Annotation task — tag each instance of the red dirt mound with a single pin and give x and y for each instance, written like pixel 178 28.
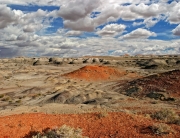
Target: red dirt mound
pixel 96 73
pixel 114 125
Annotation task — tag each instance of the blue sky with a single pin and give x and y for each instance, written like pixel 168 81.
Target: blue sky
pixel 89 27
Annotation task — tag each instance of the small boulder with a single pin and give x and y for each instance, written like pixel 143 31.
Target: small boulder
pixel 41 61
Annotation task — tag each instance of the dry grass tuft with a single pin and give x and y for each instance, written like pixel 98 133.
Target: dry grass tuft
pixel 62 132
pixel 102 114
pixel 161 128
pixel 166 115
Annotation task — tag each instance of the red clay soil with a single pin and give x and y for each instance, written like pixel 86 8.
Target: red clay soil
pixel 114 125
pixel 96 73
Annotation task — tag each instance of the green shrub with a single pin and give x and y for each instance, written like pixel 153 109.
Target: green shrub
pixel 62 132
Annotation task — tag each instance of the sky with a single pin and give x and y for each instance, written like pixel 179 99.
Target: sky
pixel 75 28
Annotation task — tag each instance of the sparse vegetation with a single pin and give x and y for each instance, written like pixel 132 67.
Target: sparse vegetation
pixel 7 77
pixel 6 99
pixel 18 101
pixel 102 114
pixel 2 95
pixel 62 132
pixel 36 95
pixel 167 115
pixel 161 128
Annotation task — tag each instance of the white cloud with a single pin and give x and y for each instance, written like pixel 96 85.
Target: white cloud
pixel 83 24
pixel 32 27
pixel 139 34
pixel 108 13
pixel 78 9
pixel 150 22
pixel 18 29
pixel 137 23
pixel 147 11
pixel 112 30
pixel 35 2
pixel 176 31
pixel 7 16
pixel 57 45
pixel 22 37
pixel 74 33
pixel 28 44
pixel 12 37
pixel 174 12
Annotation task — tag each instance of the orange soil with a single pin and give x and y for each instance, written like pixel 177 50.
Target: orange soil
pixel 93 73
pixel 114 125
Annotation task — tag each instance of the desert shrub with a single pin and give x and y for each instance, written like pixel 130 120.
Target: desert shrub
pixel 166 115
pixel 62 132
pixel 154 102
pixel 36 95
pixel 102 114
pixel 18 101
pixel 161 128
pixel 6 99
pixel 177 121
pixel 2 95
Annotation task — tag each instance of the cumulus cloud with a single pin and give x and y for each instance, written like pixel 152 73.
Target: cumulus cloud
pixel 28 44
pixel 32 27
pixel 111 30
pixel 84 24
pixel 176 31
pixel 147 10
pixel 108 13
pixel 75 10
pixel 76 14
pixel 26 32
pixel 12 37
pixel 7 16
pixel 150 22
pixel 35 2
pixel 139 34
pixel 74 33
pixel 137 23
pixel 22 37
pixel 174 12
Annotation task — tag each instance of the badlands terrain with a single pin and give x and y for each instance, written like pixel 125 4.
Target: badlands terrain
pixel 106 97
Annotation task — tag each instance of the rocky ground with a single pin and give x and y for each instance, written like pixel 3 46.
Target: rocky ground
pixel 126 88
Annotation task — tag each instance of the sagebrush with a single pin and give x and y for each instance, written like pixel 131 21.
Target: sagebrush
pixel 62 132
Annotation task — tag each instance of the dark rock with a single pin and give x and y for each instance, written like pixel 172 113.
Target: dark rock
pixel 151 67
pixel 133 90
pixel 156 95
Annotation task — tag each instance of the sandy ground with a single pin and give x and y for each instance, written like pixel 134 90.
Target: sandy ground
pixel 30 94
